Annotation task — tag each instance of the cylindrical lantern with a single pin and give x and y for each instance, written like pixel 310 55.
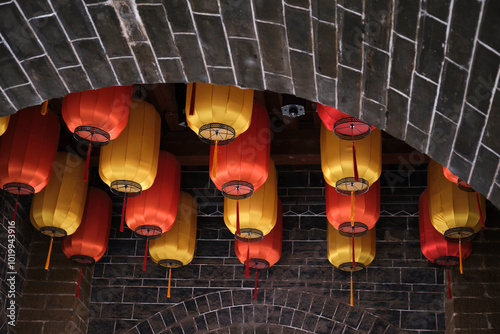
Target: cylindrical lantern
pixel 4 123
pixel 343 124
pixel 365 215
pixel 257 214
pixel 350 254
pixel 337 161
pixel 218 113
pixel 57 210
pixel 97 116
pixel 262 254
pixel 154 211
pixel 88 244
pixel 175 248
pixel 453 212
pixel 242 166
pixel 27 151
pixel 129 163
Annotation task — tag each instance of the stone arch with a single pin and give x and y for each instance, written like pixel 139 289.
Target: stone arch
pixel 415 70
pixel 276 311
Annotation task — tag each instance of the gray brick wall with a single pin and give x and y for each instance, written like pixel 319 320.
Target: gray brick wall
pixel 426 72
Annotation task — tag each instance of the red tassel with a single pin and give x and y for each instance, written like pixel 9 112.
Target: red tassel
pixel 255 288
pixel 193 93
pixel 123 211
pixel 45 105
pixel 15 208
pixel 356 176
pixel 353 256
pixel 79 280
pixel 87 164
pixel 448 280
pixel 169 280
pixel 479 209
pixel 145 255
pixel 247 264
pixel 237 217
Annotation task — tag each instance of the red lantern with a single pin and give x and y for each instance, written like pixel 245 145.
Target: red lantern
pixel 88 244
pixel 264 253
pixel 154 211
pixel 97 116
pixel 27 151
pixel 241 167
pixel 363 218
pixel 434 246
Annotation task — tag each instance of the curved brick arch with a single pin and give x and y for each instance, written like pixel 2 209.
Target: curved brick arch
pixel 425 72
pixel 235 310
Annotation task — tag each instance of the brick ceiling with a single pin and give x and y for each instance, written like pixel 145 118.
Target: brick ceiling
pixel 426 72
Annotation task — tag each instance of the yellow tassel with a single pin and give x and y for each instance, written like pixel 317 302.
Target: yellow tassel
pixel 352 208
pixel 214 162
pixel 45 105
pixel 352 294
pixel 169 278
pixel 460 254
pixel 48 256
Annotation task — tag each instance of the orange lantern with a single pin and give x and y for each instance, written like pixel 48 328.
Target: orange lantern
pixel 262 254
pixel 154 211
pixel 88 244
pixel 436 248
pixel 242 166
pixel 97 116
pixel 364 217
pixel 4 124
pixel 27 151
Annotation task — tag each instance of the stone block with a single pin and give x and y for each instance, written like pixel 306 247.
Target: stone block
pixel 406 18
pixel 147 62
pixel 324 326
pixel 375 75
pixel 278 83
pixel 468 136
pixel 209 6
pixel 95 62
pixel 200 323
pixel 402 66
pixel 246 59
pixel 416 138
pixel 397 111
pixel 351 38
pixel 422 103
pixel 179 16
pixel 34 9
pixel 491 25
pixel 144 328
pixel 378 19
pixel 45 78
pixel 325 48
pixel 212 40
pixel 430 50
pixel 76 79
pixel 418 320
pixel 326 90
pixel 490 139
pixel 191 57
pixel 442 134
pixel 349 91
pixel 439 9
pixel 286 317
pixel 238 18
pixel 452 90
pixel 74 19
pixel 221 76
pixel 107 24
pixel 107 294
pixel 298 319
pixel 484 170
pixel 298 28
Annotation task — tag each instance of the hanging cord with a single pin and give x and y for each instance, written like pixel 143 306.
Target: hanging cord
pixel 460 254
pixel 353 255
pixel 48 255
pixel 356 176
pixel 79 280
pixel 145 255
pixel 352 209
pixel 124 211
pixel 169 279
pixel 237 216
pixel 255 288
pixel 352 293
pixel 15 208
pixel 247 262
pixel 214 160
pixel 479 209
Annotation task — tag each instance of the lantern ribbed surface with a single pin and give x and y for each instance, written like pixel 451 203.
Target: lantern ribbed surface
pixel 210 106
pixel 258 213
pixel 245 161
pixel 27 150
pixel 58 208
pixel 88 244
pixel 176 246
pixel 453 212
pixel 133 156
pixel 4 124
pixel 155 209
pixel 432 243
pixel 340 249
pixel 337 157
pixel 366 209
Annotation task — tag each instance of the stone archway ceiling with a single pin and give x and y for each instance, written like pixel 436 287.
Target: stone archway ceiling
pixel 426 72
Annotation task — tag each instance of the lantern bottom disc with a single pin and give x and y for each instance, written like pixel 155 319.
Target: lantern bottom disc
pixel 358 230
pixel 447 261
pixel 456 233
pixel 217 132
pixel 351 128
pixel 170 263
pixel 258 263
pixel 52 231
pixel 464 186
pixel 349 184
pixel 91 134
pixel 347 266
pixel 82 259
pixel 237 189
pixel 249 235
pixel 18 188
pixel 122 187
pixel 148 231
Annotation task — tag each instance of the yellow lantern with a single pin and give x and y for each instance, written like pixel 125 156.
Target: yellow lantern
pixel 350 254
pixel 257 214
pixel 175 248
pixel 4 123
pixel 128 165
pixel 337 161
pixel 453 212
pixel 57 210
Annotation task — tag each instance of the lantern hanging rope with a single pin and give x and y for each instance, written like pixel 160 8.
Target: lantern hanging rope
pixel 128 165
pixel 175 248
